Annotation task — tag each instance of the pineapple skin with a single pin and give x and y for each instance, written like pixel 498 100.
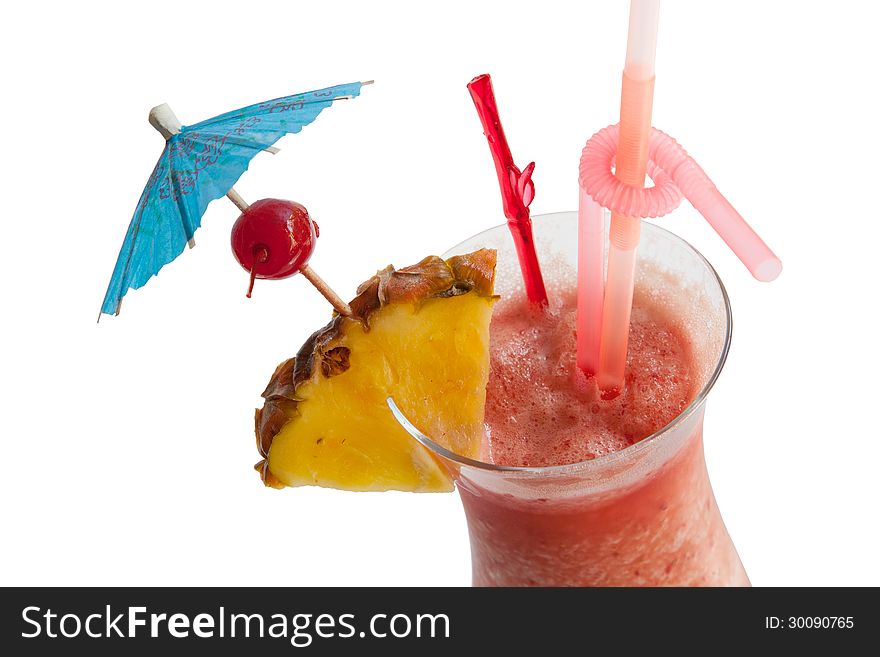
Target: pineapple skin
pixel 419 334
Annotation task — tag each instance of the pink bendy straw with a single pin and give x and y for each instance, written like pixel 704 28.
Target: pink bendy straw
pixel 591 281
pixel 636 100
pixel 636 148
pixel 675 174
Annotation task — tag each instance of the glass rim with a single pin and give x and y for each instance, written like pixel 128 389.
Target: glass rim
pixel 605 459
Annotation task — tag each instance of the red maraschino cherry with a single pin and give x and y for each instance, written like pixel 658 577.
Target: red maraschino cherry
pixel 273 239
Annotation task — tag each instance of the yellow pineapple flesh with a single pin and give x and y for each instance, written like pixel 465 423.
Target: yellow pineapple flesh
pixel 418 334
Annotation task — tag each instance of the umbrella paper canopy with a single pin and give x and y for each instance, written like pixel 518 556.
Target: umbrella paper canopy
pixel 199 164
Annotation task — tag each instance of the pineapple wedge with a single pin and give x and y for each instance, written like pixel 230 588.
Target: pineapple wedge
pixel 419 334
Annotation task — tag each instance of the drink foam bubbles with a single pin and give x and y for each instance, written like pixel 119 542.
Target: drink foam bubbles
pixel 541 410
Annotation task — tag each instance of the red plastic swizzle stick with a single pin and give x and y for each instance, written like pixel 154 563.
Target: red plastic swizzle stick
pixel 517 188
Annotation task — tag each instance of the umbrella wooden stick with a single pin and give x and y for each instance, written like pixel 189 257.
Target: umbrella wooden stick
pixel 233 196
pixel 335 300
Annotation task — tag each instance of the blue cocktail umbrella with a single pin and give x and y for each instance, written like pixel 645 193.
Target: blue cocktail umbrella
pixel 201 163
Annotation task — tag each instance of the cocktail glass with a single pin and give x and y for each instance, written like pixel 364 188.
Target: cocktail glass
pixel 642 516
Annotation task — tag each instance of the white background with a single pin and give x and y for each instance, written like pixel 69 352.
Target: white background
pixel 127 446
